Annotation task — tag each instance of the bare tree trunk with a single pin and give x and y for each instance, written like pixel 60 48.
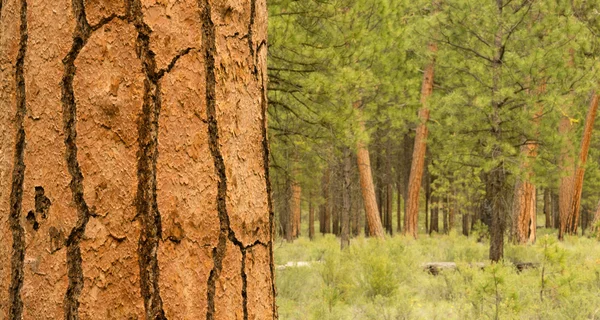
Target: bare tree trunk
pixel 368 192
pixel 346 190
pixel 311 217
pixel 324 208
pixel 555 211
pixel 434 224
pixel 548 208
pixel 573 218
pixel 132 181
pixel 496 177
pixel 295 209
pixel 420 148
pixel 399 207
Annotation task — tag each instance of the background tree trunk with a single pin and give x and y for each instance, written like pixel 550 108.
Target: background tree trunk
pixel 132 177
pixel 573 218
pixel 311 218
pixel 368 192
pixel 296 208
pixel 346 190
pixel 420 149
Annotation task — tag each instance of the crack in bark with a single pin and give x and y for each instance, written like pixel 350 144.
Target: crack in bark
pixel 81 35
pixel 18 177
pixel 209 45
pixel 146 203
pixel 226 233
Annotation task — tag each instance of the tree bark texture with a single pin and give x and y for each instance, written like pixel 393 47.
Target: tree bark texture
pixel 420 149
pixel 134 161
pixel 367 188
pixel 573 217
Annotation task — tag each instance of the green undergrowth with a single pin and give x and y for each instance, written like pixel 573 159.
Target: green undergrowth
pixel 375 279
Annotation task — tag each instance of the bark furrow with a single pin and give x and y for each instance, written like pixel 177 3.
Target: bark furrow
pixel 146 203
pixel 18 177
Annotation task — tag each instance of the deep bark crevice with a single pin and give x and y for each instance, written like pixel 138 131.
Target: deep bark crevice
pixel 18 177
pixel 225 231
pixel 81 35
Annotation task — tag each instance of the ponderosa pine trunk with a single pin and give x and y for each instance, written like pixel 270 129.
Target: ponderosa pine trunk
pixel 524 199
pixel 496 178
pixel 573 218
pixel 133 165
pixel 567 166
pixel 420 149
pixel 295 208
pixel 346 189
pixel 373 221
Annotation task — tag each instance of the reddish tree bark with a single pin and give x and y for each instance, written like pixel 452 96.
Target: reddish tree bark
pixel 366 184
pixel 573 218
pixel 420 148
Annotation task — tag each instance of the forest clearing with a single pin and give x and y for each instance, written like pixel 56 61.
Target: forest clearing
pixel 386 279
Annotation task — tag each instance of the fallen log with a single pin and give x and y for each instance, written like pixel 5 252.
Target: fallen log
pixel 434 268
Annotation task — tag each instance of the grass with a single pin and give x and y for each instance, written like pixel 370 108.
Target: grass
pixel 376 279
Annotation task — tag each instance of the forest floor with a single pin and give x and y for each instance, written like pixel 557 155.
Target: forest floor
pixel 376 279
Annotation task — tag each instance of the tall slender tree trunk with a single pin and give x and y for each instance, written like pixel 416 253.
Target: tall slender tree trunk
pixel 420 149
pixel 324 208
pixel 406 161
pixel 311 217
pixel 346 190
pixel 366 183
pixel 132 181
pixel 524 209
pixel 496 177
pixel 295 206
pixel 573 218
pixel 567 166
pixel 434 224
pixel 399 207
pixel 548 208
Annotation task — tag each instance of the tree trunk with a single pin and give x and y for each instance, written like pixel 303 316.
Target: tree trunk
pixel 399 207
pixel 325 207
pixel 555 211
pixel 366 183
pixel 311 217
pixel 524 212
pixel 295 209
pixel 286 218
pixel 434 224
pixel 419 150
pixel 548 208
pixel 404 172
pixel 573 217
pixel 345 214
pixel 131 180
pixel 496 177
pixel 465 224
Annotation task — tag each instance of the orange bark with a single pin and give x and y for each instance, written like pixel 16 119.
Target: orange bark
pixel 573 218
pixel 366 186
pixel 418 160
